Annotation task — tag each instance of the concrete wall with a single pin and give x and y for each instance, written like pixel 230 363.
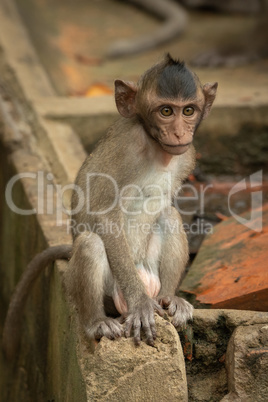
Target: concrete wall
pixel 46 366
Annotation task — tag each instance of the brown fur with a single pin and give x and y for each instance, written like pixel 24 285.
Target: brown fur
pixel 125 268
pixel 129 259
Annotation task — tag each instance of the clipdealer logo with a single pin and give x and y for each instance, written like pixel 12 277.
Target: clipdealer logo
pixel 254 184
pixel 51 198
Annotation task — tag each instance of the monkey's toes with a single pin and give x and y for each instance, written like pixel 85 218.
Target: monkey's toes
pixel 108 327
pixel 164 302
pixel 181 310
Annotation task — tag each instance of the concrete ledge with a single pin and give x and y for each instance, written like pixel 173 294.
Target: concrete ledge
pixel 28 378
pixel 89 117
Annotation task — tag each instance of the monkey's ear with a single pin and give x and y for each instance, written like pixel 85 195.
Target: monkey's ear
pixel 125 93
pixel 210 91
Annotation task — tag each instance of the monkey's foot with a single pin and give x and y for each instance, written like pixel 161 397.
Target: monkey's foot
pixel 178 308
pixel 107 326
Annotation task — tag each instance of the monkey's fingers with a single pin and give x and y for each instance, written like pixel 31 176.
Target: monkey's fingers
pixel 115 328
pixel 135 325
pixel 158 308
pixel 137 331
pixel 103 330
pixel 148 327
pixel 128 326
pixel 173 307
pixel 164 302
pixel 160 311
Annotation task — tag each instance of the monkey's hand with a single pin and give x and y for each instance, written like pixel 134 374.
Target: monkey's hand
pixel 106 326
pixel 178 308
pixel 141 316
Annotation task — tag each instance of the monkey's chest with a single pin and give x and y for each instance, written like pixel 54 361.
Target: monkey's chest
pixel 142 218
pixel 148 197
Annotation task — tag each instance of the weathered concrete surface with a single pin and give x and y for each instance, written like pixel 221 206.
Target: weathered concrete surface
pixel 205 344
pixel 119 371
pixel 230 270
pixel 28 377
pixel 22 57
pixel 62 149
pixel 247 364
pixel 47 354
pixel 89 117
pixel 24 79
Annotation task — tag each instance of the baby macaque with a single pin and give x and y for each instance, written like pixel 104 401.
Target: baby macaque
pixel 137 169
pixel 130 248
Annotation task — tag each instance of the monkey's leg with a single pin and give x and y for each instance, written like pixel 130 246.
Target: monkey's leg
pixel 174 256
pixel 87 282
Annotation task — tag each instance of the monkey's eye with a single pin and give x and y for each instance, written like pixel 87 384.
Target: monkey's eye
pixel 188 111
pixel 166 111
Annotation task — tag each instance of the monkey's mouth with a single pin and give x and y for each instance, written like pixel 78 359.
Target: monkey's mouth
pixel 175 146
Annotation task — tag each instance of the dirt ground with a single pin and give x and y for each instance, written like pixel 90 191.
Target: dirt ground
pixel 71 38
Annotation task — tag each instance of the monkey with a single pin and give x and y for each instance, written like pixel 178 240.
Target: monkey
pixel 127 259
pixel 252 47
pixel 137 271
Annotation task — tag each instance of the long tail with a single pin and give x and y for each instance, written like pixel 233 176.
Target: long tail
pixel 12 326
pixel 175 22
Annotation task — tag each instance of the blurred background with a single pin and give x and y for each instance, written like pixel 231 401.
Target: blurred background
pixel 73 39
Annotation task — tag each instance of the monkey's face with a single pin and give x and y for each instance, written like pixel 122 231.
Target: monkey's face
pixel 172 123
pixel 170 105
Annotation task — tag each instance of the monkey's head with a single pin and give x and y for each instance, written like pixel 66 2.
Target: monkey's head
pixel 170 102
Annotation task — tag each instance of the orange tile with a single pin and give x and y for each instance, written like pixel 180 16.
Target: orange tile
pixel 231 268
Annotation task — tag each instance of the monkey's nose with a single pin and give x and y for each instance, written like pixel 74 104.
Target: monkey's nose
pixel 179 135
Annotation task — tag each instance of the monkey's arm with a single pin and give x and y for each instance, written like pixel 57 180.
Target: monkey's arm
pixel 175 21
pixel 12 325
